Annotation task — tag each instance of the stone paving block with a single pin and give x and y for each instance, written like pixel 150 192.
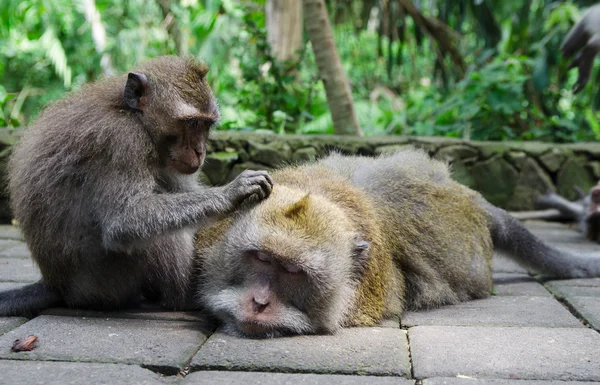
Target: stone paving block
pixel 497 311
pixel 257 378
pixel 588 308
pixel 518 284
pixel 8 243
pixel 390 323
pixel 73 373
pixel 18 250
pixel 478 381
pixel 503 264
pixel 164 345
pixel 9 323
pixel 146 312
pixel 366 351
pixel 568 354
pixel 4 286
pixel 18 270
pixel 10 232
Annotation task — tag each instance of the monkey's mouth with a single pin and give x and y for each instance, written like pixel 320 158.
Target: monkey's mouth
pixel 183 167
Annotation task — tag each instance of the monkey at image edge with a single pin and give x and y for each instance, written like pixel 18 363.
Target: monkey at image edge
pixel 104 188
pixel 351 240
pixel 347 241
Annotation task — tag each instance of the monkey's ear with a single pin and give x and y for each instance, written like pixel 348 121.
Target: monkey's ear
pixel 136 90
pixel 297 208
pixel 360 256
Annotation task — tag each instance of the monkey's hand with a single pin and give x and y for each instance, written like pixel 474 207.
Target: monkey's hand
pixel 584 61
pixel 249 186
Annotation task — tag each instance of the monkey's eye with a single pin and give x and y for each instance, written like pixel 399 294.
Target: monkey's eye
pixel 263 257
pixel 291 268
pixel 192 123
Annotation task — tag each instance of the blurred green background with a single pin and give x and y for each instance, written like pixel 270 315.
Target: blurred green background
pixel 514 85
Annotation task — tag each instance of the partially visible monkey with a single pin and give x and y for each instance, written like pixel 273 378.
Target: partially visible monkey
pixel 586 211
pixel 349 240
pixel 105 190
pixel 584 38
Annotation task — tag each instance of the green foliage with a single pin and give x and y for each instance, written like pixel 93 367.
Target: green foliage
pixel 516 86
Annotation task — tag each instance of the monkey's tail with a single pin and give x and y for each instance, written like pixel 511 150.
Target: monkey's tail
pixel 511 236
pixel 28 301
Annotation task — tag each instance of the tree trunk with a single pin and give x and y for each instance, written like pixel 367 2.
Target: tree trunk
pixel 172 27
pixel 284 29
pixel 337 86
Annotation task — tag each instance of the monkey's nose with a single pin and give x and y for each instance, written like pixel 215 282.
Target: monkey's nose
pixel 259 305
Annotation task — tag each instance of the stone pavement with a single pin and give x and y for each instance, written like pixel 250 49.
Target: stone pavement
pixel 529 332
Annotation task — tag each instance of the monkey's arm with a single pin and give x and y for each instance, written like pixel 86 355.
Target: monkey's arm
pixel 148 214
pixel 584 36
pixel 552 200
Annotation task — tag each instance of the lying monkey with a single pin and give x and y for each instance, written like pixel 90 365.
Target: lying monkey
pixel 349 240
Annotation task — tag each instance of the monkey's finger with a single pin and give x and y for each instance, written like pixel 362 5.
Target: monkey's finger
pixel 262 184
pixel 264 174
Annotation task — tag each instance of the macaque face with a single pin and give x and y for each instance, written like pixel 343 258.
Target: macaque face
pixel 274 282
pixel 186 149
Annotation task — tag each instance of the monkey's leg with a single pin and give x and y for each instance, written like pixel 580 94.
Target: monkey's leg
pixel 27 301
pixel 551 200
pixel 171 259
pixel 511 236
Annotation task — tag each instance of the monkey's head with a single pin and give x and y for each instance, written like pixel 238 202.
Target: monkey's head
pixel 289 265
pixel 173 101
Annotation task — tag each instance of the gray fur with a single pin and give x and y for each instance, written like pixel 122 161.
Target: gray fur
pixel 584 38
pixel 105 193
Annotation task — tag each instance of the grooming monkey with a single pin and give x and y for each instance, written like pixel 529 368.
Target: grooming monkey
pixel 349 240
pixel 584 38
pixel 105 190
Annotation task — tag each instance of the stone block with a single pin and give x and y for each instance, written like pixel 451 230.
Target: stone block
pixel 75 373
pixel 218 166
pixel 465 380
pixel 17 250
pixel 533 181
pixel 10 232
pixel 250 378
pixel 496 179
pixel 18 270
pixel 553 159
pixel 302 155
pixel 164 345
pixel 497 311
pixel 567 354
pixel 9 323
pixel 455 153
pixel 518 284
pixel 588 308
pixel 503 264
pixel 148 312
pixel 574 173
pixel 365 351
pixel 273 154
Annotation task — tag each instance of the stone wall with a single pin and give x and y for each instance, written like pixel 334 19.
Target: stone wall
pixel 508 174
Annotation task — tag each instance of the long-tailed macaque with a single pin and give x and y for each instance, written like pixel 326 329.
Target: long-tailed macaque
pixel 586 211
pixel 349 240
pixel 103 186
pixel 584 38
